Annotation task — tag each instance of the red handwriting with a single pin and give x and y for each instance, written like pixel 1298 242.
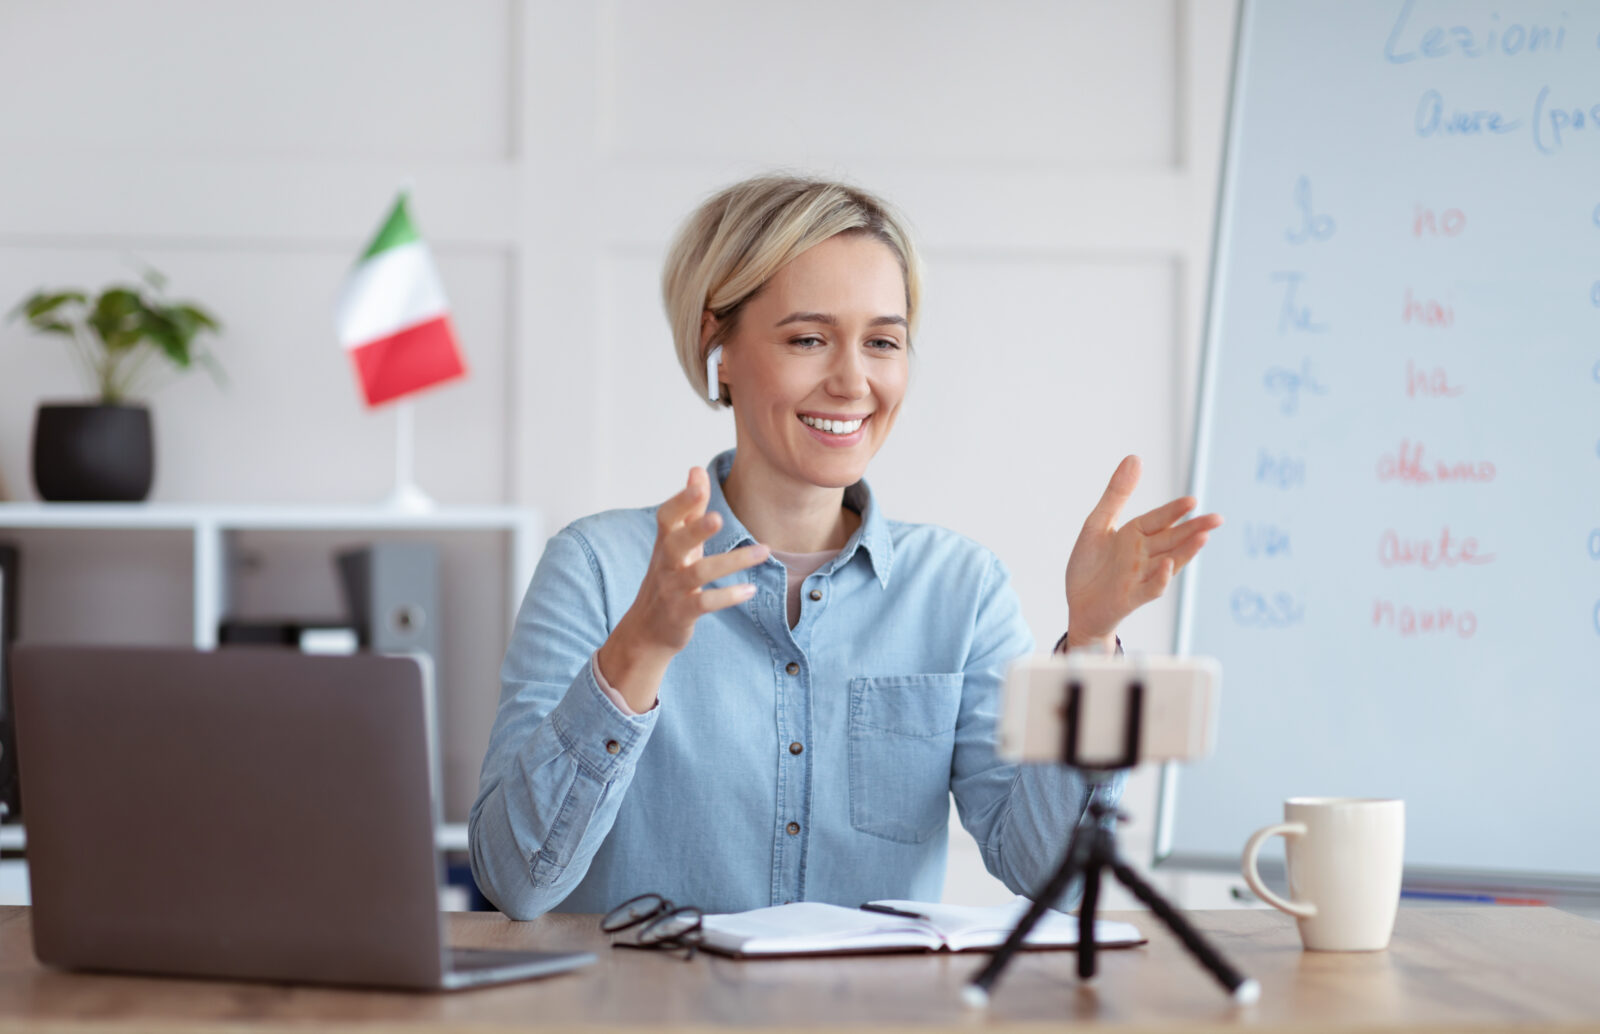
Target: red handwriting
pixel 1408 465
pixel 1409 621
pixel 1429 554
pixel 1427 312
pixel 1448 223
pixel 1433 384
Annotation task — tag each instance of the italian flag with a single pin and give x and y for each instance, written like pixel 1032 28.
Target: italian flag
pixel 393 317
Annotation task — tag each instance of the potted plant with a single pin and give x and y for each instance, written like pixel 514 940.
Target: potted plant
pixel 102 451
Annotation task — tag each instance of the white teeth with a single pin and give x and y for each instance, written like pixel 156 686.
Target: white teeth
pixel 840 427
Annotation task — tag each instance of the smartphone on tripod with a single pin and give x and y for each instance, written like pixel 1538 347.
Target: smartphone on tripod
pixel 1102 716
pixel 1096 711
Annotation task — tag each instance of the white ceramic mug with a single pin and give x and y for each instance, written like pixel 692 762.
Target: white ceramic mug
pixel 1345 856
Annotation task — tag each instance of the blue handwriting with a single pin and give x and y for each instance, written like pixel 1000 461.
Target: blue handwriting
pixel 1280 380
pixel 1313 227
pixel 1257 610
pixel 1561 120
pixel 1282 471
pixel 1265 540
pixel 1431 119
pixel 1294 316
pixel 1438 41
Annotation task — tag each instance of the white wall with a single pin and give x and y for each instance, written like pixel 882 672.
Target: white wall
pixel 1057 159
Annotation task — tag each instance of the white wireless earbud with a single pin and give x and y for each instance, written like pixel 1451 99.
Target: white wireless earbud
pixel 713 360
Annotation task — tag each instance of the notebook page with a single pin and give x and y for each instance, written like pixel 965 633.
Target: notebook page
pixel 972 926
pixel 809 926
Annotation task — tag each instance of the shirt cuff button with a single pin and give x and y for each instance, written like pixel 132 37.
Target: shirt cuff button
pixel 612 746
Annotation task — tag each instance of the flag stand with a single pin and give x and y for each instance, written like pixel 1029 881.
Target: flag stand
pixel 406 496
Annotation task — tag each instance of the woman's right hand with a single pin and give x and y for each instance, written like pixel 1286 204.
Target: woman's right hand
pixel 671 598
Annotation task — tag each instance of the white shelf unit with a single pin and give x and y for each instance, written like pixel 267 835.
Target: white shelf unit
pixel 211 525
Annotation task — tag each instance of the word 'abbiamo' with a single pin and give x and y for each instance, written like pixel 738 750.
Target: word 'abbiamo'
pixel 1409 466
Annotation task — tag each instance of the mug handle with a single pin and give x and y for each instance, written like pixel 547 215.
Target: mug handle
pixel 1252 848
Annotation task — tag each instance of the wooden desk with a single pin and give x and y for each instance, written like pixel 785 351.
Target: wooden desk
pixel 1448 968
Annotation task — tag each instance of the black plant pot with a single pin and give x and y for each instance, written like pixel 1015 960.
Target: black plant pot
pixel 93 453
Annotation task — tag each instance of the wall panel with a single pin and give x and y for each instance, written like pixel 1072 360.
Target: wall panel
pixel 357 79
pixel 1013 82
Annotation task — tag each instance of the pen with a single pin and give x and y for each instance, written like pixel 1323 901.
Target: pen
pixel 889 911
pixel 1487 899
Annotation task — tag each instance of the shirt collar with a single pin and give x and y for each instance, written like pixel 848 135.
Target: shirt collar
pixel 873 534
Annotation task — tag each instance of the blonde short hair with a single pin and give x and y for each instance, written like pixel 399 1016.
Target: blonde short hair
pixel 742 235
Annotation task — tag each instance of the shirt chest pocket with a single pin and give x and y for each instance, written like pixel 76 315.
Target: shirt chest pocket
pixel 902 734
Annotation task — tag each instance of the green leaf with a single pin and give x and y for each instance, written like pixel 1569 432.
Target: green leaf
pixel 117 317
pixel 185 319
pixel 168 336
pixel 195 316
pixel 40 305
pixel 153 276
pixel 181 321
pixel 214 368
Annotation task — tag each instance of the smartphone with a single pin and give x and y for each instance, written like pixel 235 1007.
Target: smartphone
pixel 1096 711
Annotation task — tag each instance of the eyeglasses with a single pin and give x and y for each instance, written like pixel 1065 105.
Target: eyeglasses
pixel 661 924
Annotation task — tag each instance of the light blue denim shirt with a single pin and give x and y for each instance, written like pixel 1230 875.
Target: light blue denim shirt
pixel 813 763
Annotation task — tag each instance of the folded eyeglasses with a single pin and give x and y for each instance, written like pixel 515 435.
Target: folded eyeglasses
pixel 658 924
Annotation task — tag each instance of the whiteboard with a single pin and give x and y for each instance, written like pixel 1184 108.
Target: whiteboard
pixel 1400 423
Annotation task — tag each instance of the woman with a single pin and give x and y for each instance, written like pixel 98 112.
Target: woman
pixel 765 689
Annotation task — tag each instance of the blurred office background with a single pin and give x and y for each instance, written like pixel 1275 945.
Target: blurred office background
pixel 1058 160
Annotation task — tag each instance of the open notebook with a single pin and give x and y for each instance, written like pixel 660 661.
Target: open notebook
pixel 813 928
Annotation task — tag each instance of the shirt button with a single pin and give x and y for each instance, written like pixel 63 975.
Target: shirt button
pixel 612 746
pixel 816 594
pixel 795 748
pixel 792 668
pixel 793 828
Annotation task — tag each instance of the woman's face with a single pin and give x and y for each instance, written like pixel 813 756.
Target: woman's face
pixel 821 347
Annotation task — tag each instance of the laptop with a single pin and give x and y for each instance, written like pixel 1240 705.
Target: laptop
pixel 251 813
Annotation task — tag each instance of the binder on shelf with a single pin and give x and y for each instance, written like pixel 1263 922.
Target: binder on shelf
pixel 392 592
pixel 10 793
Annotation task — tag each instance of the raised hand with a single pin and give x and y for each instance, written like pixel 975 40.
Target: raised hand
pixel 672 597
pixel 1114 571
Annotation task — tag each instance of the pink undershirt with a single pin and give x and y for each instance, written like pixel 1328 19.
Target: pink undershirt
pixel 800 567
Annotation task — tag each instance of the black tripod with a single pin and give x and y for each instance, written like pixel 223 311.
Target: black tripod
pixel 1093 849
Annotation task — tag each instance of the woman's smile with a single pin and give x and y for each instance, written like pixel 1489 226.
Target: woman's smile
pixel 836 431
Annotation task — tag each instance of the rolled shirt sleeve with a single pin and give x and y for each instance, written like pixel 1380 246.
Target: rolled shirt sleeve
pixel 562 754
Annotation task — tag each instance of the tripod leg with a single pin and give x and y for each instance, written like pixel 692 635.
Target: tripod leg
pixel 1243 989
pixel 1086 913
pixel 977 991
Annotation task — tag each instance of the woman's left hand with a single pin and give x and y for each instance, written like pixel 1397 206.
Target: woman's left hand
pixel 1114 571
